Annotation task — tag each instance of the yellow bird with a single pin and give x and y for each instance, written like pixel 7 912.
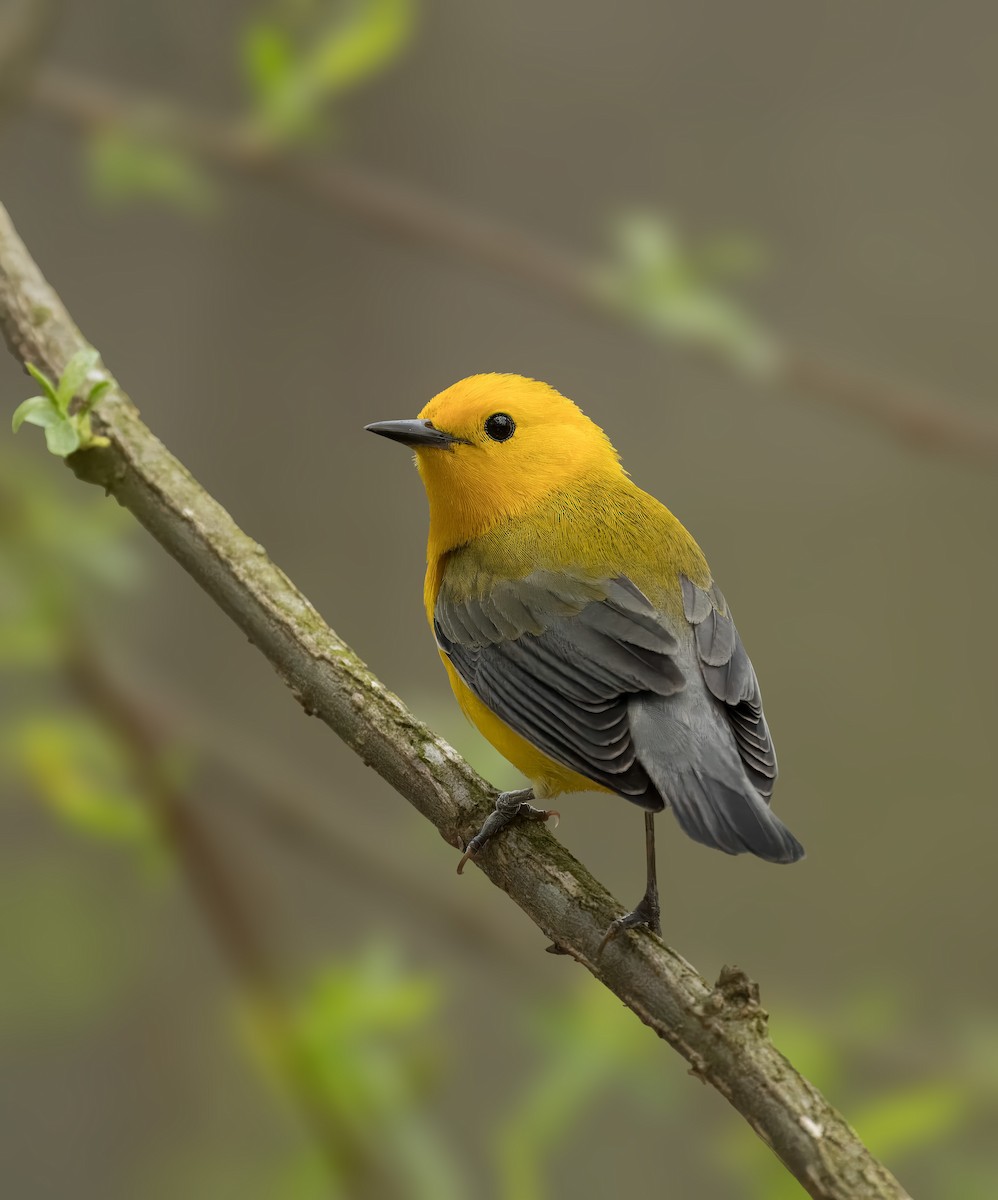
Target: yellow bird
pixel 580 626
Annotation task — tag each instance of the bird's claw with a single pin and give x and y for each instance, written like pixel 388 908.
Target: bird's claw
pixel 510 807
pixel 645 916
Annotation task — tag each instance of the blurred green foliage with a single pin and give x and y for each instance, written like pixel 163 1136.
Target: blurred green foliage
pixel 586 1043
pixel 78 768
pixel 126 164
pixel 681 289
pixel 57 560
pixel 300 56
pixel 364 1043
pixel 923 1109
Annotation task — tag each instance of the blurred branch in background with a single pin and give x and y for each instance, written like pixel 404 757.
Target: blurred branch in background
pixel 650 281
pixel 219 902
pixel 25 29
pixel 721 1031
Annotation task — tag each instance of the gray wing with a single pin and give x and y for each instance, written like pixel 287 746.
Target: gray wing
pixel 730 677
pixel 557 657
pixel 708 750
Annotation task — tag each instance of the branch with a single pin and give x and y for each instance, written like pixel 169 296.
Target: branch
pixel 720 1031
pixel 397 210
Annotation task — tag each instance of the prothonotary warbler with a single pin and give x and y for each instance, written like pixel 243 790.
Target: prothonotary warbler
pixel 581 628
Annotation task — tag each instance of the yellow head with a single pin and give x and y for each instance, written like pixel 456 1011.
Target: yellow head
pixel 495 446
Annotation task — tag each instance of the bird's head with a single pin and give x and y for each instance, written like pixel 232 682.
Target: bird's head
pixel 495 446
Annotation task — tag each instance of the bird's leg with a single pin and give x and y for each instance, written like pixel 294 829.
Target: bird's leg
pixel 510 807
pixel 647 912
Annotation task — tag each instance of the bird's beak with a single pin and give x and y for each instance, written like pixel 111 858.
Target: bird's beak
pixel 415 433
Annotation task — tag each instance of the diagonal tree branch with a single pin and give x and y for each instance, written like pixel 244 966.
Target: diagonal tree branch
pixel 720 1031
pixel 397 210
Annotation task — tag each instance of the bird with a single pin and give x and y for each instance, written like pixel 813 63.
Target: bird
pixel 581 628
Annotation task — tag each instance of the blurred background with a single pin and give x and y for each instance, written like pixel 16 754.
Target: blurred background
pixel 756 243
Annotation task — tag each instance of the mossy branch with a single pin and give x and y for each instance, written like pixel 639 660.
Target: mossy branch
pixel 720 1030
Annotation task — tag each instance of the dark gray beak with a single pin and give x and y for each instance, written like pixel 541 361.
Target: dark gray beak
pixel 415 433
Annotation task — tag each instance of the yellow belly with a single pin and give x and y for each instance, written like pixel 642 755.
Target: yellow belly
pixel 547 777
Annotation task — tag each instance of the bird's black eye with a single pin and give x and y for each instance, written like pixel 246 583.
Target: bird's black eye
pixel 500 427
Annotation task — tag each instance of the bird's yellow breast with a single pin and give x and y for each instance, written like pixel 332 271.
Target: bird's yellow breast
pixel 547 777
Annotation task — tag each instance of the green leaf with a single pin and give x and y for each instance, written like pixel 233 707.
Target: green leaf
pixel 46 383
pixel 80 772
pixel 64 433
pixel 74 376
pixel 39 410
pixel 268 57
pixel 63 438
pixel 678 289
pixel 359 1045
pixel 371 37
pixel 94 395
pixel 122 166
pixel 305 55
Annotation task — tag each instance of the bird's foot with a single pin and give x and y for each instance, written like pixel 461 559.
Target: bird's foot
pixel 647 915
pixel 510 807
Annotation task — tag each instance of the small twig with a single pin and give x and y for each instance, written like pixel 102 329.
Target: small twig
pixel 720 1031
pixel 400 211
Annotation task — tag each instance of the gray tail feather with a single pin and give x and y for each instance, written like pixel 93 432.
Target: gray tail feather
pixel 729 817
pixel 735 820
pixel 705 783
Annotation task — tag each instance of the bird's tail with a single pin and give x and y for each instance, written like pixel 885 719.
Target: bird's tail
pixel 695 767
pixel 733 819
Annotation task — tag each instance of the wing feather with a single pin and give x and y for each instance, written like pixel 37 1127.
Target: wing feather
pixel 730 677
pixel 557 656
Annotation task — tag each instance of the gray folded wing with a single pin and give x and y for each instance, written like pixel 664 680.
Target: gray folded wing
pixel 731 678
pixel 595 677
pixel 708 751
pixel 557 657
